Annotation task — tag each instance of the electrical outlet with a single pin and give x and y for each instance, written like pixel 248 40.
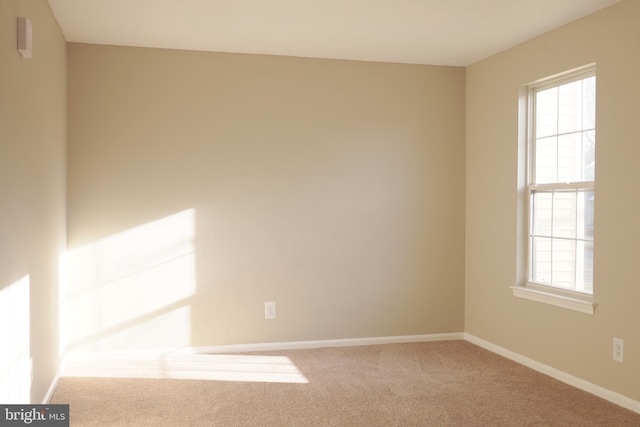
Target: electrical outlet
pixel 270 310
pixel 618 349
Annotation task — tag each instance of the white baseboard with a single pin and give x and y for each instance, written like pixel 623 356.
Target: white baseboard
pixel 52 388
pixel 348 342
pixel 73 357
pixel 566 378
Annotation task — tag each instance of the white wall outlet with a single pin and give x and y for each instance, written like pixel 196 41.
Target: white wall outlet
pixel 618 349
pixel 270 310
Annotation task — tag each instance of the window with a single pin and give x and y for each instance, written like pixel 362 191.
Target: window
pixel 560 188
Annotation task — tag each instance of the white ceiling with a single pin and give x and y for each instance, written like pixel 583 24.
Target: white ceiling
pixel 438 32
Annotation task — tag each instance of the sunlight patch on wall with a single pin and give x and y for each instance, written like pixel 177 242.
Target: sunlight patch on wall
pixel 213 367
pixel 131 290
pixel 15 352
pixel 161 330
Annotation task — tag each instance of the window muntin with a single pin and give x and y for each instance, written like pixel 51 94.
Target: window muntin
pixel 561 182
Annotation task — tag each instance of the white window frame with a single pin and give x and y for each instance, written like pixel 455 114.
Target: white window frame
pixel 548 294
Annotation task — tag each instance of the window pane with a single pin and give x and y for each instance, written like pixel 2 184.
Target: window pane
pixel 588 155
pixel 541 260
pixel 584 267
pixel 564 214
pixel 585 204
pixel 542 213
pixel 564 263
pixel 570 158
pixel 546 156
pixel 570 107
pixel 589 103
pixel 547 112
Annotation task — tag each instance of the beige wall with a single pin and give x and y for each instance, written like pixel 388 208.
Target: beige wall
pixel 572 342
pixel 33 136
pixel 334 188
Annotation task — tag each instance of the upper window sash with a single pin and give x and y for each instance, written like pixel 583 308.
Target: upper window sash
pixel 539 86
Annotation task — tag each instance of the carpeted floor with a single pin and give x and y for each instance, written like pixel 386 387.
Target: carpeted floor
pixel 447 383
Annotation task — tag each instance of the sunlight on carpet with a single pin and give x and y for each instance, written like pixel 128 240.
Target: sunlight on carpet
pixel 217 367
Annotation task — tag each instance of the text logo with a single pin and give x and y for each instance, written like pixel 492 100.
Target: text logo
pixel 34 415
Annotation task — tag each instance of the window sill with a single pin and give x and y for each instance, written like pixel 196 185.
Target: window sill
pixel 582 305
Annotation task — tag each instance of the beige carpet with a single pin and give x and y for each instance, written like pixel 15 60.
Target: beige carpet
pixel 451 383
